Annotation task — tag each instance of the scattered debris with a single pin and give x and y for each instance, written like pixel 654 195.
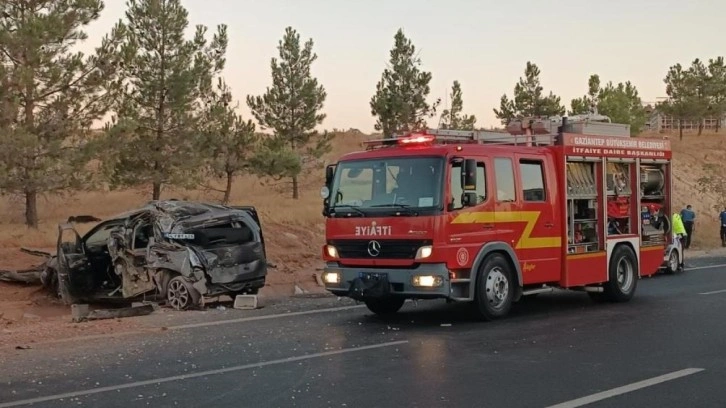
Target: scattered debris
pixel 29 276
pixel 100 314
pixel 245 302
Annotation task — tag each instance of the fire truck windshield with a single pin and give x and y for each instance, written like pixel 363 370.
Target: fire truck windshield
pixel 388 184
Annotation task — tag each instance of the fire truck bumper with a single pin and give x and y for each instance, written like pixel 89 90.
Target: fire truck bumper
pixel 425 281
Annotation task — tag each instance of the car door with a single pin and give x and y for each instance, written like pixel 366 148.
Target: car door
pixel 75 275
pixel 469 228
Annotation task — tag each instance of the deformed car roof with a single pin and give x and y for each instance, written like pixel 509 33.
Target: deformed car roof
pixel 179 209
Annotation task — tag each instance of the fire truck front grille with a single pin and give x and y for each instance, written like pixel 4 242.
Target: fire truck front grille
pixel 386 248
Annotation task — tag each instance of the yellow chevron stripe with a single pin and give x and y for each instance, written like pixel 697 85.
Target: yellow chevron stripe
pixel 526 241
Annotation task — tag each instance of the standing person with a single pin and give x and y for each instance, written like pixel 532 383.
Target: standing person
pixel 688 216
pixel 722 218
pixel 679 235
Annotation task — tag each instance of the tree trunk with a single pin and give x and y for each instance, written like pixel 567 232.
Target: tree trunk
pixel 680 129
pixel 31 209
pixel 700 127
pixel 156 193
pixel 718 125
pixel 228 189
pixel 295 188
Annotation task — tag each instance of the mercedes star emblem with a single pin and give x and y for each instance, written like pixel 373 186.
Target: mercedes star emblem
pixel 374 248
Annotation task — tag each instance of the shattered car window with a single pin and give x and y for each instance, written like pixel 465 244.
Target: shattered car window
pixel 100 237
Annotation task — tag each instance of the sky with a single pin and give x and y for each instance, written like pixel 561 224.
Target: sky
pixel 484 44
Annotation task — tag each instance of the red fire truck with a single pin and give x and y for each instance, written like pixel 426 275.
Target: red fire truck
pixel 487 217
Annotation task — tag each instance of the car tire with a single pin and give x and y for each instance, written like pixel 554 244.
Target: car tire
pixel 623 275
pixel 181 295
pixel 672 264
pixel 495 288
pixel 385 306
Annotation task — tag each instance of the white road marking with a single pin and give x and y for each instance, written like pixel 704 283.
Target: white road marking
pixel 626 388
pixel 195 375
pixel 714 292
pixel 262 317
pixel 706 267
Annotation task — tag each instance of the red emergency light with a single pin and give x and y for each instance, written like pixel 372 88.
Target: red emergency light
pixel 416 139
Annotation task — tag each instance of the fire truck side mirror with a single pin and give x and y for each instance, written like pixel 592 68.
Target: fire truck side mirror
pixel 468 175
pixel 469 199
pixel 329 173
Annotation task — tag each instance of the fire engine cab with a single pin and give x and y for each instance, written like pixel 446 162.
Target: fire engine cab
pixel 488 217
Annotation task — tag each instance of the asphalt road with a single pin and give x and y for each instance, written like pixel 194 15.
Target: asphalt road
pixel 666 348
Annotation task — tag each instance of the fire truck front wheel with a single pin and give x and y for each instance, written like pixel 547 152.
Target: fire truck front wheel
pixel 623 275
pixel 385 306
pixel 494 288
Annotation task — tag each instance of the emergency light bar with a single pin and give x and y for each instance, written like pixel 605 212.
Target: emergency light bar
pixel 415 139
pixel 412 139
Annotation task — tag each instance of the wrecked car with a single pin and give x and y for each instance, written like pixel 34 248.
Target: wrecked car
pixel 172 250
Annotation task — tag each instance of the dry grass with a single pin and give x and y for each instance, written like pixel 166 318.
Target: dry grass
pixel 690 154
pixel 295 227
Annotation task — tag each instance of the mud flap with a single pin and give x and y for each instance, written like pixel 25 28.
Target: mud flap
pixel 377 287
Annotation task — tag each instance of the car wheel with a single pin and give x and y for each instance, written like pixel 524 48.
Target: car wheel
pixel 494 288
pixel 181 295
pixel 385 306
pixel 623 275
pixel 672 266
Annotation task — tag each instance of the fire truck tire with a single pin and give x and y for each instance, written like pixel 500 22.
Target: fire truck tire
pixel 385 306
pixel 495 288
pixel 623 274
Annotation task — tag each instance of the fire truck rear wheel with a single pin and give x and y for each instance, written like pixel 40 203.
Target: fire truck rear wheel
pixel 385 306
pixel 623 274
pixel 494 288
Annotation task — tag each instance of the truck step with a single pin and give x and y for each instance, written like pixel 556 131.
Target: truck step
pixel 544 289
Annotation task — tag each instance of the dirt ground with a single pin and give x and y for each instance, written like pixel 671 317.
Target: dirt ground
pixel 294 234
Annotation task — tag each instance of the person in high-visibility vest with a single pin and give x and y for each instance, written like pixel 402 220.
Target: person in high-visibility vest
pixel 679 231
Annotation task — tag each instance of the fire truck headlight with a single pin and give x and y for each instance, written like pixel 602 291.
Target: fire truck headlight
pixel 424 252
pixel 427 281
pixel 331 277
pixel 331 251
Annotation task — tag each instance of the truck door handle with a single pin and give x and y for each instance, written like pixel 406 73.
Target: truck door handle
pixel 549 225
pixel 488 226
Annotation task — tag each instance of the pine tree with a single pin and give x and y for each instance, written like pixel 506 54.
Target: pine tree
pixel 228 139
pixel 621 103
pixel 400 100
pixel 717 89
pixel 50 97
pixel 529 99
pixel 701 99
pixel 154 138
pixel 451 118
pixel 588 102
pixel 681 91
pixel 292 109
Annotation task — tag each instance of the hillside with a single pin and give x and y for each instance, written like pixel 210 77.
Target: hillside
pixel 294 228
pixel 689 157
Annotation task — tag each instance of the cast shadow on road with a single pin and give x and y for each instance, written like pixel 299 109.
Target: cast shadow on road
pixel 428 314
